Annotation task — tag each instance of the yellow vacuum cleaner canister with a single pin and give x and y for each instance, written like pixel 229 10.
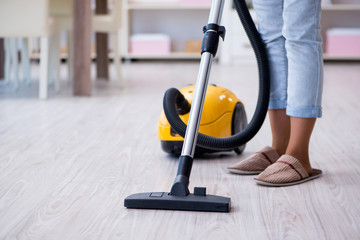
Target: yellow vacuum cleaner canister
pixel 223 115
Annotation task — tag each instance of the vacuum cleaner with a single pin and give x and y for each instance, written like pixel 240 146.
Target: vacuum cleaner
pixel 179 197
pixel 223 115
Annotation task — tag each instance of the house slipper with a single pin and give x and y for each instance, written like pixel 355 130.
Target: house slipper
pixel 286 171
pixel 256 163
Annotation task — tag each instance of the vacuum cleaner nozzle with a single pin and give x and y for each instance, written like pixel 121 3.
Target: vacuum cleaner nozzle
pixel 198 201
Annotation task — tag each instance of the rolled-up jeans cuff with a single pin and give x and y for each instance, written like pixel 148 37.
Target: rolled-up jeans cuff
pixel 277 104
pixel 304 112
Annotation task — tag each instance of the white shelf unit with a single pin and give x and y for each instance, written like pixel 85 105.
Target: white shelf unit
pixel 186 21
pixel 165 6
pixel 343 7
pixel 237 47
pixel 340 14
pixel 180 22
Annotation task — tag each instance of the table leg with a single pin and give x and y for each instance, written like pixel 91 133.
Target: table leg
pixel 102 58
pixel 81 47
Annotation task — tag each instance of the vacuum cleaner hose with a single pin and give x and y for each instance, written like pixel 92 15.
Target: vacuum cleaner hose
pixel 172 96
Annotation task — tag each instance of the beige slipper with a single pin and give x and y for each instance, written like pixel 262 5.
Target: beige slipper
pixel 256 163
pixel 286 171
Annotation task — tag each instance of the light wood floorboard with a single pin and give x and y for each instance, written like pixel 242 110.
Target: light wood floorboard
pixel 66 164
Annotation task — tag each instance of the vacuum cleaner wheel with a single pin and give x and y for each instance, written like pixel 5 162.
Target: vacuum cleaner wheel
pixel 239 122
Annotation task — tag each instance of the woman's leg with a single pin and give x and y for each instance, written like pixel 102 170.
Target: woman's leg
pixel 304 53
pixel 301 129
pixel 280 128
pixel 269 15
pixel 270 24
pixel 305 73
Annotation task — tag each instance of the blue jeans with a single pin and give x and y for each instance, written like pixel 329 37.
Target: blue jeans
pixel 291 32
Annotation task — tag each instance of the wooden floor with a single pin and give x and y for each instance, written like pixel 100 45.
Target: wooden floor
pixel 66 164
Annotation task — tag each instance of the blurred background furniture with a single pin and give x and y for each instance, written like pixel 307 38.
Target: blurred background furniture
pixel 102 46
pixel 335 14
pixel 110 24
pixel 35 13
pixel 2 58
pixel 180 20
pixel 11 59
pixel 47 20
pixel 339 14
pixel 62 13
pixel 81 45
pixel 71 16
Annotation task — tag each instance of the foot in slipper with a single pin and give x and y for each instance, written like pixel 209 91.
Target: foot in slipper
pixel 256 163
pixel 286 171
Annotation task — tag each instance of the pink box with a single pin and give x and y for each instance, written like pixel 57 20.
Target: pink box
pixel 196 2
pixel 150 44
pixel 343 41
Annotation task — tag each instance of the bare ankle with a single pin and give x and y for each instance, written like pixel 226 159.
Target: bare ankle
pixel 279 150
pixel 303 158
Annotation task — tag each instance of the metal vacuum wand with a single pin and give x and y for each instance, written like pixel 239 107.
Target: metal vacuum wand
pixel 208 51
pixel 180 197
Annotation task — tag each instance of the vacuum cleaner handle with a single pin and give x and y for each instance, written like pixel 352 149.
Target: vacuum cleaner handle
pixel 209 48
pixel 179 198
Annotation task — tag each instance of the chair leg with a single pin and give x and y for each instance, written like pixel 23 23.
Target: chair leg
pixel 25 60
pixel 14 60
pixel 56 60
pixel 44 64
pixel 51 59
pixel 7 60
pixel 70 56
pixel 114 41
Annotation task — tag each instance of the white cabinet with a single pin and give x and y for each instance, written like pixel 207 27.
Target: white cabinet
pixel 335 14
pixel 237 47
pixel 340 14
pixel 181 22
